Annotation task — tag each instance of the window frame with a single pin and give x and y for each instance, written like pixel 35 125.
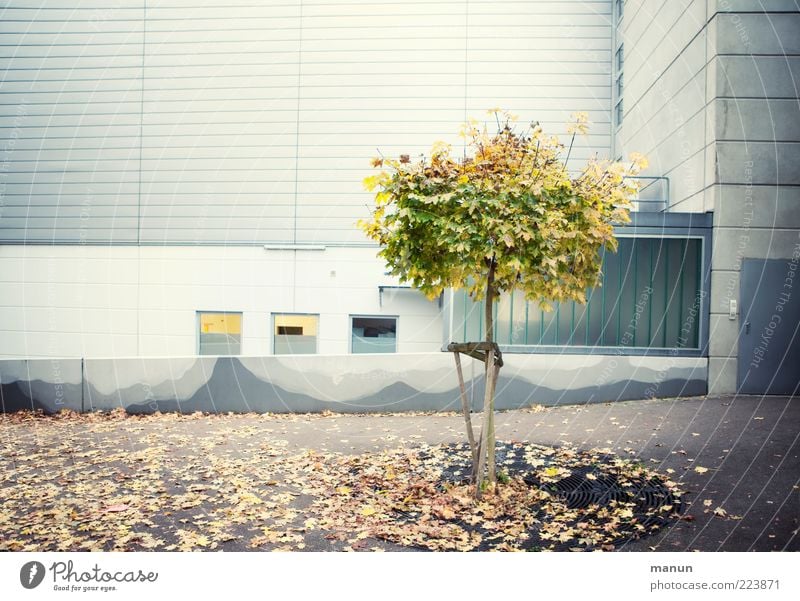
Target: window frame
pixel 644 225
pixel 619 85
pixel 273 334
pixel 353 316
pixel 198 323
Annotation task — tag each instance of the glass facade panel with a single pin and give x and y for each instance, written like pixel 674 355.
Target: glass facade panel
pixel 295 334
pixel 649 297
pixel 220 333
pixel 374 335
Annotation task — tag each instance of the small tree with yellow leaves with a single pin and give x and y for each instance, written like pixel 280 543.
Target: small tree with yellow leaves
pixel 507 215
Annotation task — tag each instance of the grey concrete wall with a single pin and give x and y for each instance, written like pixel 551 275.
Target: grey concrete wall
pixel 341 383
pixel 753 155
pixel 711 97
pixel 46 384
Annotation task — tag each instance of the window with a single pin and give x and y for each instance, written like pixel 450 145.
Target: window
pixel 650 297
pixel 374 334
pixel 294 334
pixel 220 333
pixel 619 64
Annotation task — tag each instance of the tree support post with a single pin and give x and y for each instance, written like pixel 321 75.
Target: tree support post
pixel 482 448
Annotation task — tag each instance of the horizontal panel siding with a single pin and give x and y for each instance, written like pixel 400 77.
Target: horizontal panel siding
pixel 55 104
pixel 238 90
pixel 664 93
pixel 192 121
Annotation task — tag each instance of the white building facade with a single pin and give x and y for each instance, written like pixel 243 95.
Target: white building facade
pixel 183 178
pixel 154 150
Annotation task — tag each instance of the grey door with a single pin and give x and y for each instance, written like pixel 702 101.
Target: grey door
pixel 769 340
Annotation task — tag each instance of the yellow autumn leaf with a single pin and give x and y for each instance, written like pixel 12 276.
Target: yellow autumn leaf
pixel 700 470
pixel 370 182
pixel 373 181
pixel 368 510
pixel 344 490
pixel 439 147
pixel 639 160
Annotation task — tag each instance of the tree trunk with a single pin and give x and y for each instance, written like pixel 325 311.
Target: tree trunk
pixel 486 460
pixel 467 414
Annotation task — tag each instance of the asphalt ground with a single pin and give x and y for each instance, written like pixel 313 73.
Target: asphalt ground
pixel 736 458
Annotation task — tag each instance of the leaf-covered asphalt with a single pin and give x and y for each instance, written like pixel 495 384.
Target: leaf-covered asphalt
pixel 374 482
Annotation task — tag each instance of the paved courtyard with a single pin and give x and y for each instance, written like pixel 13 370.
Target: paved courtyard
pixel 735 457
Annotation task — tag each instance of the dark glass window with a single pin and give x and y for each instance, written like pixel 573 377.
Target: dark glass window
pixel 374 334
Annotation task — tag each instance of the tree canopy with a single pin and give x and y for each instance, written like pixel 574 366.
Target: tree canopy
pixel 509 201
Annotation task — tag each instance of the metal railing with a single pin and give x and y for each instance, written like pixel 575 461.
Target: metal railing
pixel 653 194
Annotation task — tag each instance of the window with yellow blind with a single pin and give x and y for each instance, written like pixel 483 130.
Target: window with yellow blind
pixel 220 333
pixel 294 334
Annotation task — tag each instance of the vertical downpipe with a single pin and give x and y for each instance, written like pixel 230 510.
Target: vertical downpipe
pixel 83 385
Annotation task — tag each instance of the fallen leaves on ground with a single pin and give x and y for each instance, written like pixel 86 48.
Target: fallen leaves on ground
pixel 194 482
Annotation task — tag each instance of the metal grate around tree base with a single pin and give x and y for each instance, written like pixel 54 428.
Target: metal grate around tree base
pixel 651 502
pixel 596 488
pixel 586 485
pixel 579 490
pixel 595 484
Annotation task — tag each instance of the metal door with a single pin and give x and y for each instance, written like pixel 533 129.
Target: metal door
pixel 769 340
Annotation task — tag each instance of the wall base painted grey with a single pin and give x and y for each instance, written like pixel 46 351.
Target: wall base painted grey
pixel 339 383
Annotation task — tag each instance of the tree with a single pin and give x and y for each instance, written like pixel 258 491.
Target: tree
pixel 506 215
